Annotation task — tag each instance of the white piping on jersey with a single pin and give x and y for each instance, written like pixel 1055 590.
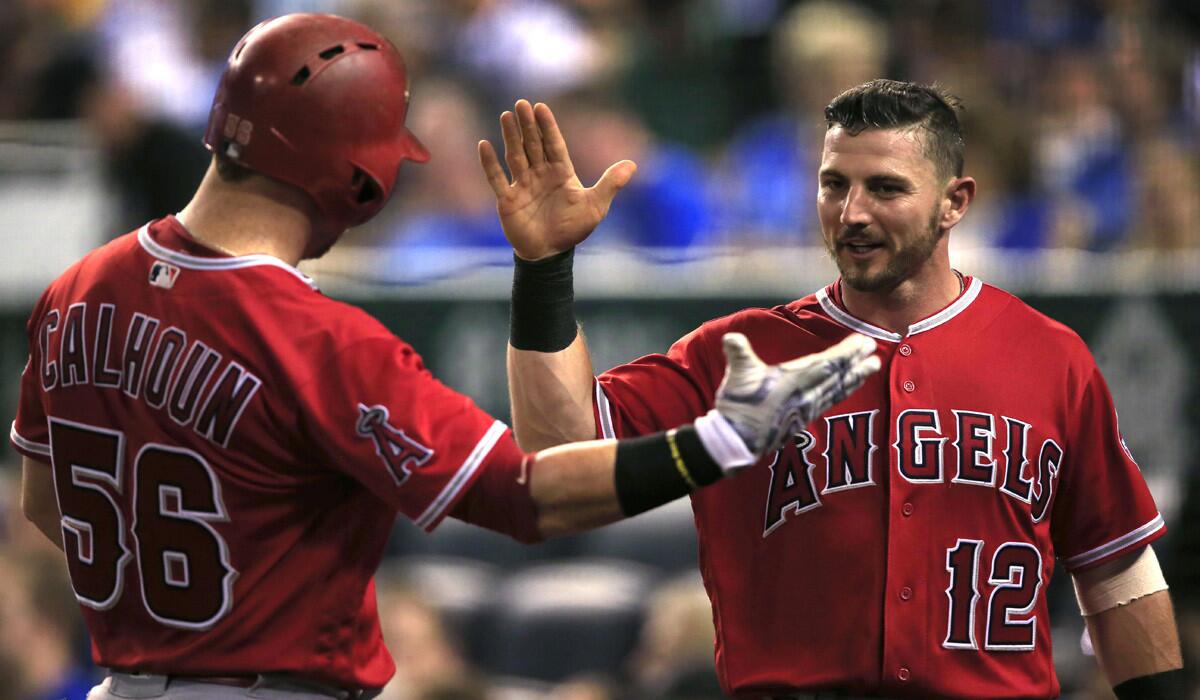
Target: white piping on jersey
pixel 30 445
pixel 605 411
pixel 855 324
pixel 193 262
pixel 1131 537
pixel 462 476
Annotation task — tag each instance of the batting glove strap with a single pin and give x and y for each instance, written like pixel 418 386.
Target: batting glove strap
pixel 723 443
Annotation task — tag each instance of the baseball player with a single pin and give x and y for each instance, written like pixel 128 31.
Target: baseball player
pixel 221 451
pixel 902 544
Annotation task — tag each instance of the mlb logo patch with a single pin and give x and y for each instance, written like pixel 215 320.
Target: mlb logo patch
pixel 163 275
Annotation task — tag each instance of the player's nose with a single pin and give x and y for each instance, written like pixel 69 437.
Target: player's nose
pixel 855 209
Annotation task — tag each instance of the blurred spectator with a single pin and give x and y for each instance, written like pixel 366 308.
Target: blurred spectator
pixel 428 663
pixel 1167 178
pixel 40 627
pixel 152 165
pixel 535 49
pixel 768 184
pixel 1081 158
pixel 586 687
pixel 666 204
pixel 674 657
pixel 49 57
pixel 676 73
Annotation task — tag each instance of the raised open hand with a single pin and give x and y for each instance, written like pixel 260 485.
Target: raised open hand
pixel 545 209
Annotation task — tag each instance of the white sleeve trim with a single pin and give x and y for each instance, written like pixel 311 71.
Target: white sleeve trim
pixel 604 409
pixel 28 445
pixel 462 476
pixel 1130 538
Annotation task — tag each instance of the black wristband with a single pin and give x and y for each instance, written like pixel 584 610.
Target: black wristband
pixel 542 317
pixel 656 469
pixel 1156 686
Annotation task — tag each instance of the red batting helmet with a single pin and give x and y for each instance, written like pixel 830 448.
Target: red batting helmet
pixel 317 101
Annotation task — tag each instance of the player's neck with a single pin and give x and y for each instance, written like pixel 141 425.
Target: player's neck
pixel 913 300
pixel 248 218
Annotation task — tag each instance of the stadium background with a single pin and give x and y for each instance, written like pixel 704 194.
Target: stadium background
pixel 1083 126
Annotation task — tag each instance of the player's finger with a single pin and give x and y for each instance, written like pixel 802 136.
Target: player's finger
pixel 841 384
pixel 850 349
pixel 738 353
pixel 514 149
pixel 853 347
pixel 491 168
pixel 553 142
pixel 617 176
pixel 530 133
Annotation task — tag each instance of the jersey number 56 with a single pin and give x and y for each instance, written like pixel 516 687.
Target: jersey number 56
pixel 182 563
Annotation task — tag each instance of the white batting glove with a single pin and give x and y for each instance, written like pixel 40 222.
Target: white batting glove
pixel 762 404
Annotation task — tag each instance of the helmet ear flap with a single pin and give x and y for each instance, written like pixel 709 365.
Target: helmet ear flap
pixel 367 188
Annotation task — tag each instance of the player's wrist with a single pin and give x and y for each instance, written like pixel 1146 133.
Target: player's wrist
pixel 1166 684
pixel 722 442
pixel 542 315
pixel 653 470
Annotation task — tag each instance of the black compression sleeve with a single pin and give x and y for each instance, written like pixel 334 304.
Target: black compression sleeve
pixel 1156 686
pixel 542 317
pixel 656 469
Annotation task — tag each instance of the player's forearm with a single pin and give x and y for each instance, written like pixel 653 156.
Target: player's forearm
pixel 38 502
pixel 551 394
pixel 549 370
pixel 574 488
pixel 1138 639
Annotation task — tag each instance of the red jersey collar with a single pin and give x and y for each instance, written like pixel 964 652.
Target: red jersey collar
pixel 830 299
pixel 167 239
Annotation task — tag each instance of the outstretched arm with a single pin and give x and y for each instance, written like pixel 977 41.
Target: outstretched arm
pixel 545 212
pixel 582 485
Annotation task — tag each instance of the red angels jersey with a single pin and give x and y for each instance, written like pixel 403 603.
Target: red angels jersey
pixel 229 450
pixel 902 543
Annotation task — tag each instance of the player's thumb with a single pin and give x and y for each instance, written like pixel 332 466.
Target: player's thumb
pixel 617 176
pixel 739 356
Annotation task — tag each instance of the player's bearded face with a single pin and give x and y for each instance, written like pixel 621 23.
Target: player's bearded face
pixel 905 256
pixel 879 201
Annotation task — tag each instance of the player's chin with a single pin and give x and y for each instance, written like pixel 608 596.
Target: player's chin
pixel 866 276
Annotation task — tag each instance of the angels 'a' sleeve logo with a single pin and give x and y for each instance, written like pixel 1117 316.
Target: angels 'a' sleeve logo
pixel 398 451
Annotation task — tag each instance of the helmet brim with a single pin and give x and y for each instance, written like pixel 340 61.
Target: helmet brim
pixel 414 150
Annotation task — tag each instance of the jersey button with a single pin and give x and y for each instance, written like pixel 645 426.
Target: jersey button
pixel 903 674
pixel 909 386
pixel 906 593
pixel 906 349
pixel 907 509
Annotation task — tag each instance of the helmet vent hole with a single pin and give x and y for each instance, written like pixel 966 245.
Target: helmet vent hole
pixel 300 76
pixel 368 189
pixel 368 47
pixel 331 52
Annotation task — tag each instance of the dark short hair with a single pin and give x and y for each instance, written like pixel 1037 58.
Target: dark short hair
pixel 892 104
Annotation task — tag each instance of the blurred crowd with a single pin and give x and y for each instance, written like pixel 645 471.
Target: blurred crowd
pixel 1082 116
pixel 1082 120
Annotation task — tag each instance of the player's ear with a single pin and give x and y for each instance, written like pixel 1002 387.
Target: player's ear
pixel 959 194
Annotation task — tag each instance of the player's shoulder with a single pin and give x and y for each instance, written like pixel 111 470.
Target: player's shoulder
pixel 766 325
pixel 98 263
pixel 1017 319
pixel 342 325
pixel 798 312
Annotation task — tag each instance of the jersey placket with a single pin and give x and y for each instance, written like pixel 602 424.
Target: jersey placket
pixel 907 606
